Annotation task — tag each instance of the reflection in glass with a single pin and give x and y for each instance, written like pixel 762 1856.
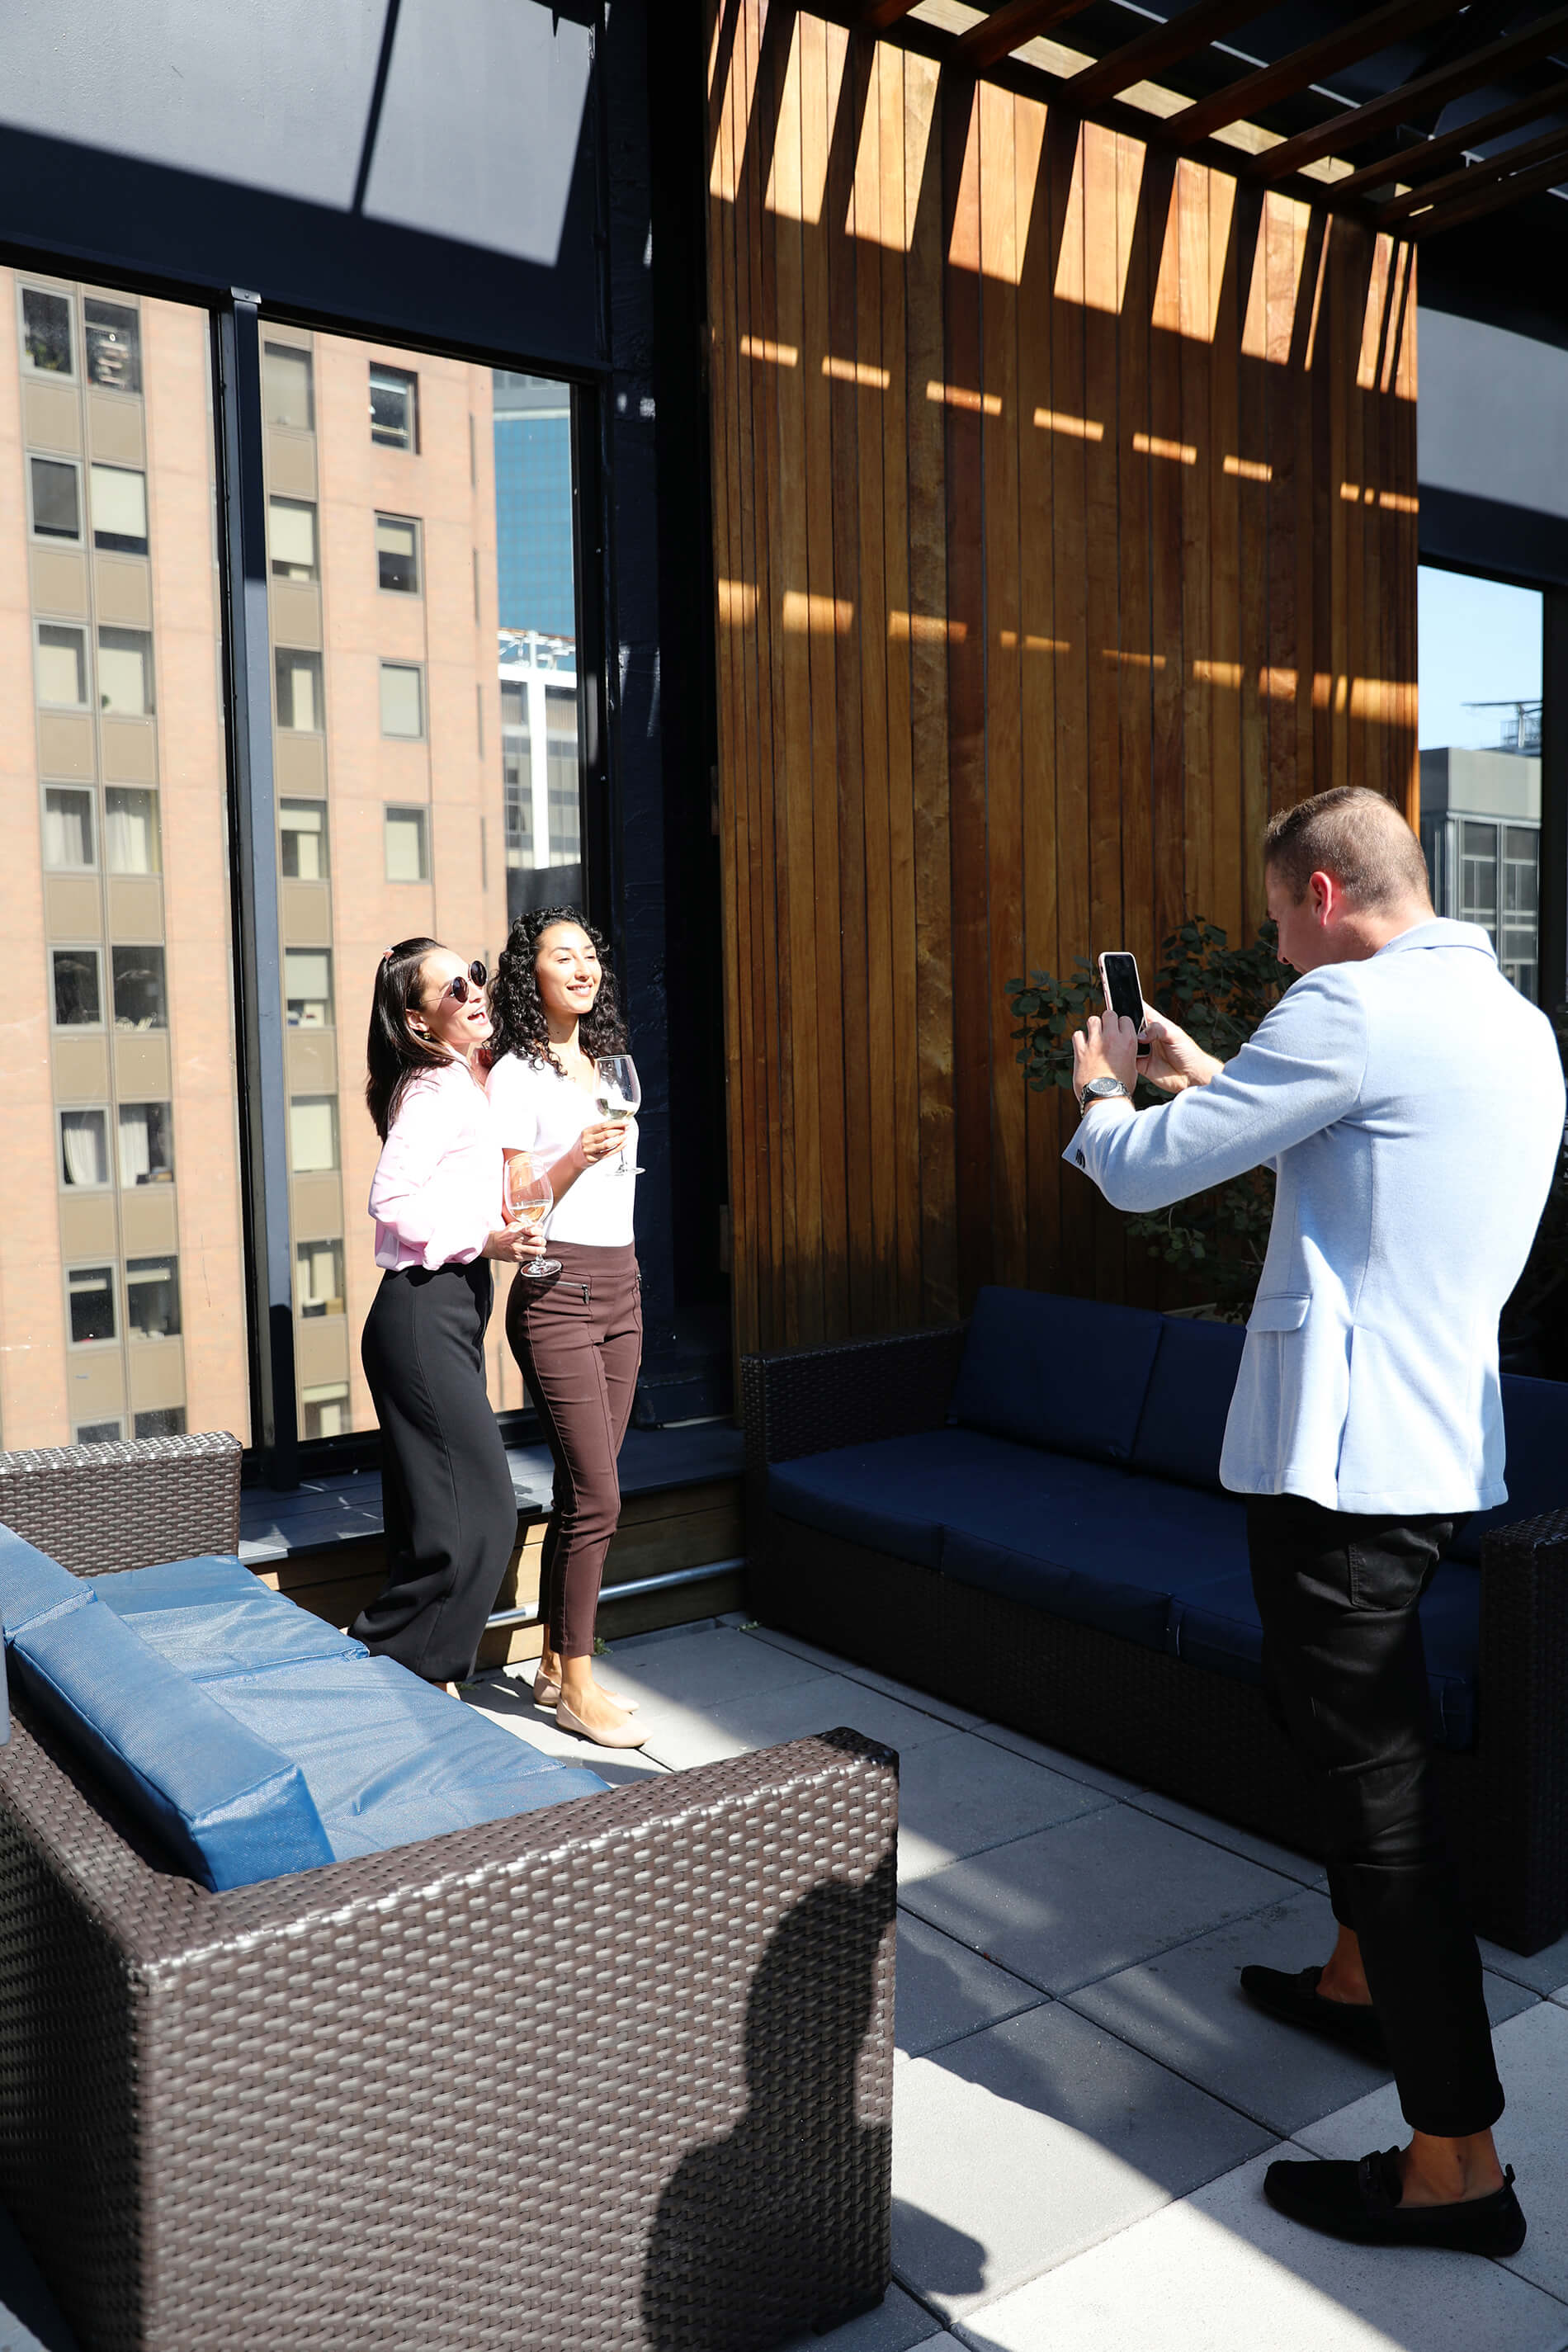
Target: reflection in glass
pixel 90 1289
pixel 84 1148
pixel 120 509
pixel 140 1001
pixel 398 554
pixel 308 987
pixel 312 1133
pixel 324 1410
pixel 319 1273
pixel 286 390
pixel 146 1144
pixel 62 666
pixel 565 789
pixel 408 859
pixel 125 672
pixel 131 841
pixel 68 827
pixel 402 699
pixel 393 407
pixel 98 1433
pixel 302 840
pixel 153 1297
pixel 79 999
pixel 57 499
pixel 47 332
pixel 114 338
pixel 292 538
pixel 299 690
pixel 164 1421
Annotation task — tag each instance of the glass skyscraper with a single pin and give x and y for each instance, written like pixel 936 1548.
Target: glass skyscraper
pixel 533 505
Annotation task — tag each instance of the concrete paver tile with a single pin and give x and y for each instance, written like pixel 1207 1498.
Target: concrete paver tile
pixel 945 1991
pixel 1221 2272
pixel 961 1793
pixel 705 1669
pixel 1019 2148
pixel 1093 1895
pixel 509 1701
pixel 1543 1972
pixel 1057 1759
pixel 897 2324
pixel 682 1737
pixel 829 1659
pixel 1298 1866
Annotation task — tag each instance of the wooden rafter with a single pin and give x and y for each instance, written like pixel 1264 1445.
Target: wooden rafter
pixel 1475 176
pixel 1007 29
pixel 1415 162
pixel 1491 200
pixel 1358 124
pixel 876 16
pixel 1372 29
pixel 1164 45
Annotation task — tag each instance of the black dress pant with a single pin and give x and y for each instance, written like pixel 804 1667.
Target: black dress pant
pixel 448 1503
pixel 1346 1672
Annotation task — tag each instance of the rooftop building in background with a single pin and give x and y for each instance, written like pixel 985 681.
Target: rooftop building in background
pixel 535 572
pixel 1480 827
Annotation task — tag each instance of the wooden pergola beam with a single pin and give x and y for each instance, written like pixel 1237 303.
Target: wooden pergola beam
pixel 1373 29
pixel 1007 29
pixel 1164 45
pixel 1359 124
pixel 1474 177
pixel 1493 199
pixel 876 16
pixel 1415 162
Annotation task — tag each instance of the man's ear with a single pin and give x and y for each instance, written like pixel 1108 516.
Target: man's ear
pixel 1324 892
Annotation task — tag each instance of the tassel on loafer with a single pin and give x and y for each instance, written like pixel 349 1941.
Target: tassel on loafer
pixel 626 1734
pixel 1296 2000
pixel 1363 2203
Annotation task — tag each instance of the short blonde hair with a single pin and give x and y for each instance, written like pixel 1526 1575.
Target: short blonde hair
pixel 1358 837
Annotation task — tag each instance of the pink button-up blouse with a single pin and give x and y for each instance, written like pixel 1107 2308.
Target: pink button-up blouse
pixel 437 1192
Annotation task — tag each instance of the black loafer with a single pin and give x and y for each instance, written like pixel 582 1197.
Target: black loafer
pixel 1296 2000
pixel 1361 2202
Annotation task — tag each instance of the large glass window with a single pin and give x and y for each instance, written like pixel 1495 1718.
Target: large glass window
pixel 56 486
pixel 78 993
pixel 120 509
pixel 130 840
pixel 1480 665
pixel 141 998
pixel 112 331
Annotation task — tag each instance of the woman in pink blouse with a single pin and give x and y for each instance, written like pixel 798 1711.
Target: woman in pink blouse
pixel 448 1504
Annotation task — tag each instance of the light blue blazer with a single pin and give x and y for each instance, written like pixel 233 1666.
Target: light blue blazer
pixel 1411 1107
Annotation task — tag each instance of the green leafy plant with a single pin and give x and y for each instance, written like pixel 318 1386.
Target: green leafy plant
pixel 1218 995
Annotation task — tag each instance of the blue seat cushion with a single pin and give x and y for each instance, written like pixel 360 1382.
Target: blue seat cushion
pixel 1535 1430
pixel 1217 1625
pixel 211 1615
pixel 894 1496
pixel 226 1805
pixel 31 1583
pixel 1182 1428
pixel 1069 1374
pixel 1096 1545
pixel 388 1758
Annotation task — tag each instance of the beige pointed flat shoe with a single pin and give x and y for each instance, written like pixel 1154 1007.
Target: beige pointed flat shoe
pixel 626 1734
pixel 548 1694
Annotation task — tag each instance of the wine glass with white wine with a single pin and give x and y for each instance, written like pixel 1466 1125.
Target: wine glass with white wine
pixel 528 1200
pixel 617 1095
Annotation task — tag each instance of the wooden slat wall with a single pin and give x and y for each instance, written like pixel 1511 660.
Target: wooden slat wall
pixel 1064 505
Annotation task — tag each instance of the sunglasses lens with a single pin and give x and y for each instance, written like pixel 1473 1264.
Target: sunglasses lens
pixel 458 990
pixel 477 974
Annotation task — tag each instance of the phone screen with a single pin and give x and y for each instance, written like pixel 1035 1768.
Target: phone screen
pixel 1123 993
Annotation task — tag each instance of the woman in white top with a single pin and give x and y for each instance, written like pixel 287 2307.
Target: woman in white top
pixel 448 1504
pixel 577 1334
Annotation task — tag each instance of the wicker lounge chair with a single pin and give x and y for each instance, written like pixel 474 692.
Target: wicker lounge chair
pixel 615 2075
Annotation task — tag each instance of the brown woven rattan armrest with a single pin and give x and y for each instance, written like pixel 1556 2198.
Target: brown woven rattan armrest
pixel 96 1508
pixel 1522 1726
pixel 809 1399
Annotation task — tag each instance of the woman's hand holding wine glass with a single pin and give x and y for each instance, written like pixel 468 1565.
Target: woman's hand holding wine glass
pixel 618 1093
pixel 529 1198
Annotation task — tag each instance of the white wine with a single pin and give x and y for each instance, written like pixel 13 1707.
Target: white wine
pixel 614 1107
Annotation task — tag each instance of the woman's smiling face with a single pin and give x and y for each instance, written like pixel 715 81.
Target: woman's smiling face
pixel 566 965
pixel 458 1025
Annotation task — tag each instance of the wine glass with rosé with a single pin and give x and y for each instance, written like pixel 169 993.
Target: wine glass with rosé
pixel 530 1197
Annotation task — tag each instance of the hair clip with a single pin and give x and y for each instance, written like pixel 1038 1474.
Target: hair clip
pixel 386 955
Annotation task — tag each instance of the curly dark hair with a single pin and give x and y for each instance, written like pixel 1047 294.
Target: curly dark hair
pixel 517 1007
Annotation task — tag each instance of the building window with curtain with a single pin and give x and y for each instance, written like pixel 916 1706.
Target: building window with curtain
pixel 319 1278
pixel 146 1144
pixel 90 1294
pixel 125 672
pixel 302 840
pixel 153 1297
pixel 68 828
pixel 119 510
pixel 308 987
pixel 84 1150
pixel 141 998
pixel 292 538
pixel 130 836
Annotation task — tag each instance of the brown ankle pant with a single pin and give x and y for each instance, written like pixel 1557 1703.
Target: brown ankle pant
pixel 578 1336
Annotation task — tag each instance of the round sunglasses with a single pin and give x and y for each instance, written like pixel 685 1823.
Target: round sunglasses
pixel 458 987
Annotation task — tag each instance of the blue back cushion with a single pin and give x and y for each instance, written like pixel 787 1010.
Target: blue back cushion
pixel 229 1807
pixel 30 1581
pixel 213 1616
pixel 1182 1425
pixel 1535 1430
pixel 1065 1373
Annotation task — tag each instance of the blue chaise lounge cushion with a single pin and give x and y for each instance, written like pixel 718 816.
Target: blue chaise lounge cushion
pixel 1182 1428
pixel 211 1615
pixel 1063 1373
pixel 1217 1625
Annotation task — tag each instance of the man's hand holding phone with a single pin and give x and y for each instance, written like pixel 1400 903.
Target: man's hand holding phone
pixel 1175 1061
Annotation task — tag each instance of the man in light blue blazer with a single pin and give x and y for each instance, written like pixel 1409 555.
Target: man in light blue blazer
pixel 1411 1104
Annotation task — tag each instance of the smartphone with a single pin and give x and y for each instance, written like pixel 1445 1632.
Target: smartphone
pixel 1123 990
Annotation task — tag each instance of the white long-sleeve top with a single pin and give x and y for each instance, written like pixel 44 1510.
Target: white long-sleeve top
pixel 435 1195
pixel 539 1111
pixel 1411 1107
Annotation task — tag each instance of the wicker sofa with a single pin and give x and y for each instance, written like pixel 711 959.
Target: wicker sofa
pixel 1024 1516
pixel 615 2074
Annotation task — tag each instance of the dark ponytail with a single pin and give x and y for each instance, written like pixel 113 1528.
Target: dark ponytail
pixel 392 1052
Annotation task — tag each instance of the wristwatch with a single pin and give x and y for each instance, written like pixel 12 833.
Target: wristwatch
pixel 1101 1090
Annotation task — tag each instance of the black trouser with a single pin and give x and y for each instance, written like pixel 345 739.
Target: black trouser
pixel 1346 1671
pixel 447 1496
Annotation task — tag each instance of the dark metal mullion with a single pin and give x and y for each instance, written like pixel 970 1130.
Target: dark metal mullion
pixel 261 1042
pixel 1552 968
